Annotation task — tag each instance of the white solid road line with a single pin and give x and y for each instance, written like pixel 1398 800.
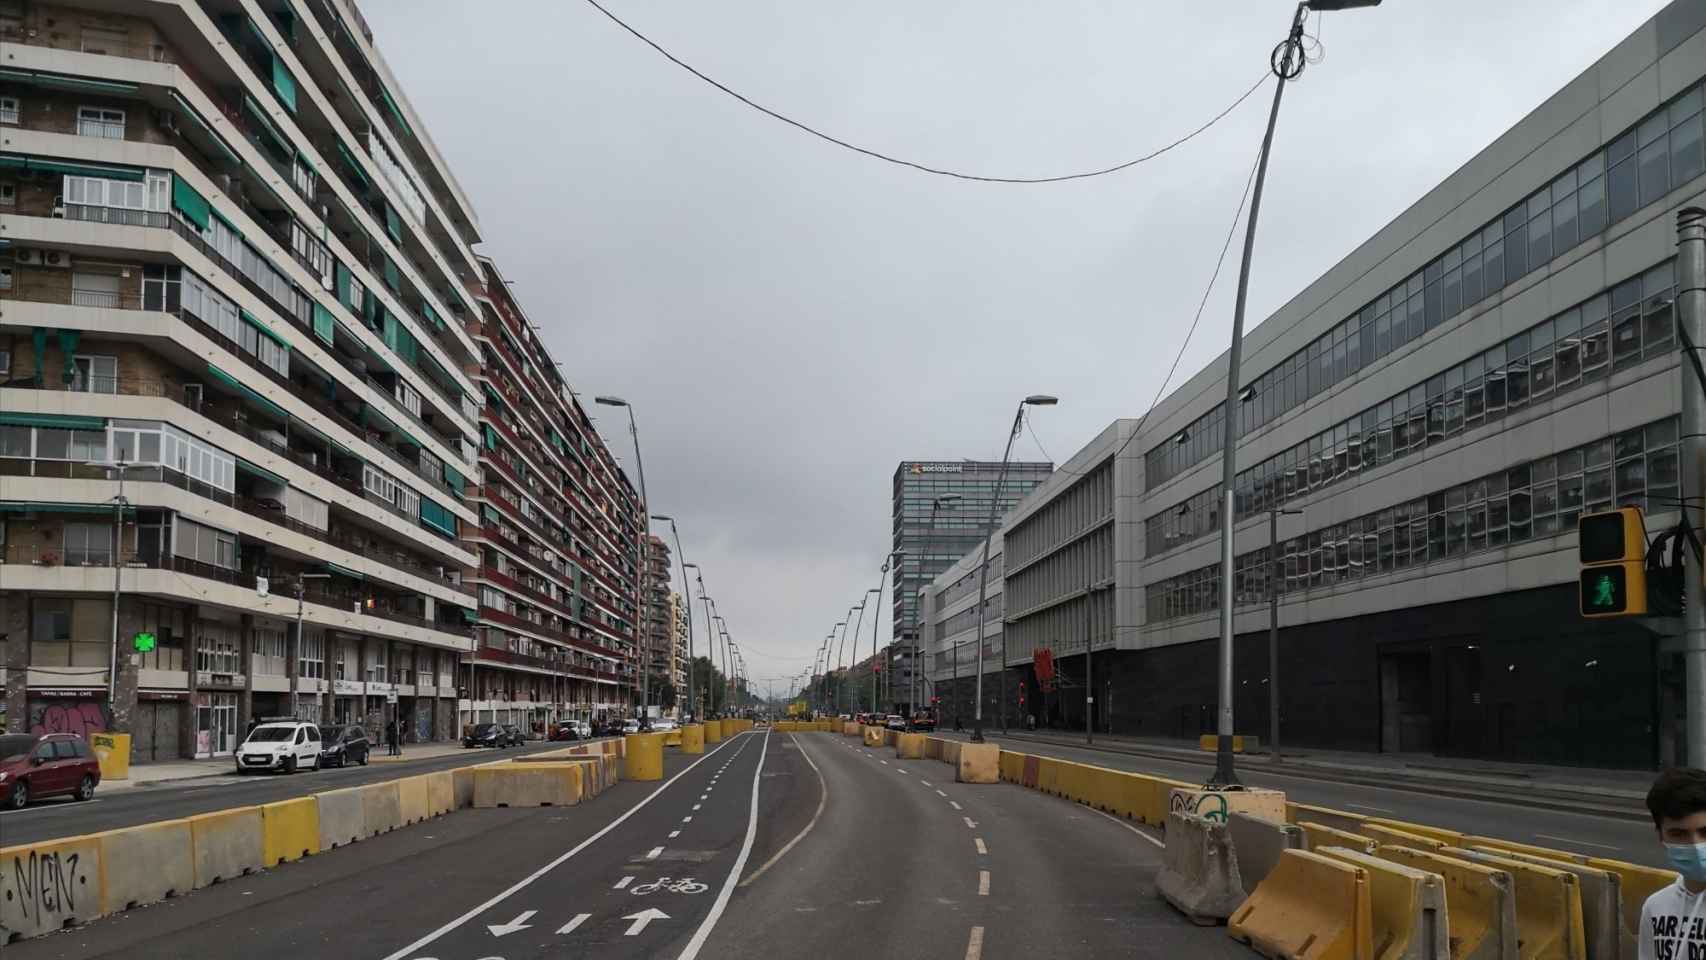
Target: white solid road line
pixel 822 798
pixel 1364 806
pixel 527 881
pixel 955 805
pixel 1579 843
pixel 716 912
pixel 974 946
pixel 674 833
pixel 1128 827
pixel 983 883
pixel 622 884
pixel 652 854
pixel 981 849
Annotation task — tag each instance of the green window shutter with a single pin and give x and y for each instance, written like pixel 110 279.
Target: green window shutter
pixel 490 512
pixel 491 436
pixel 393 225
pixel 396 114
pixel 432 316
pixel 453 480
pixel 438 517
pixel 265 331
pixel 343 283
pixel 283 84
pixel 370 309
pixel 353 167
pixel 323 322
pixel 393 278
pixel 189 202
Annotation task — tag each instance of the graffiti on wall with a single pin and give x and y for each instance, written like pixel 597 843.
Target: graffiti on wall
pixel 40 890
pixel 1209 806
pixel 81 717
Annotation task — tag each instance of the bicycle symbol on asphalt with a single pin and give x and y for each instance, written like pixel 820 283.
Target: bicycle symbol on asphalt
pixel 683 885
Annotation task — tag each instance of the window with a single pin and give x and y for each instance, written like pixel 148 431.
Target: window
pixel 8 194
pixel 113 41
pixel 100 122
pixel 195 541
pixel 311 655
pixel 5 278
pixel 88 544
pixel 96 288
pixel 8 109
pixel 75 633
pixel 216 648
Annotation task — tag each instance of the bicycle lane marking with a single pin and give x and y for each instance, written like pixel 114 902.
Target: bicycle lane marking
pixel 410 950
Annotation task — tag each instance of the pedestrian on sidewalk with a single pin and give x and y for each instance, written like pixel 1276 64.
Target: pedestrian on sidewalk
pixel 391 740
pixel 1673 920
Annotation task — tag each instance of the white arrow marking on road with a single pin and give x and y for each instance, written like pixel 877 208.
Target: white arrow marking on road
pixel 579 919
pixel 641 919
pixel 519 923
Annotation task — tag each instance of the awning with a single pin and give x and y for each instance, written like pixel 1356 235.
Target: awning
pixel 191 112
pixel 63 82
pixel 247 392
pixel 354 167
pixel 471 616
pixel 18 161
pixel 323 322
pixel 265 330
pixel 342 280
pixel 189 202
pixel 396 114
pixel 222 218
pixel 258 471
pixel 490 512
pixel 283 84
pixel 453 480
pixel 298 423
pixel 438 517
pixel 16 506
pixel 346 571
pixel 54 420
pixel 266 127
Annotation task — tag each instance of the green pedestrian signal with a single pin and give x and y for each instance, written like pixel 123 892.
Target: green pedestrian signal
pixel 143 642
pixel 1604 591
pixel 1612 547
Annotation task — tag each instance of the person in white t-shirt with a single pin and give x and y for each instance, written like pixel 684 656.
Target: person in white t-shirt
pixel 1673 920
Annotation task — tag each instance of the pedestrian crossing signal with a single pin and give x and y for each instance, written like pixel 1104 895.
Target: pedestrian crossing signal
pixel 1613 551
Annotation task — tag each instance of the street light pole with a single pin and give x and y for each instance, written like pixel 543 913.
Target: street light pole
pixel 295 670
pixel 1287 62
pixel 1275 572
pixel 1691 322
pixel 120 465
pixel 645 551
pixel 1035 400
pixel 860 625
pixel 875 618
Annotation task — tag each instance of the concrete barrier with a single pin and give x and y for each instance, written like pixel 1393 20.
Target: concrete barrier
pixel 1398 838
pixel 951 752
pixel 462 782
pixel 1310 906
pixel 227 844
pixel 1199 870
pixel 693 738
pixel 874 736
pixel 1548 907
pixel 441 793
pixel 143 864
pixel 1259 844
pixel 1216 804
pixel 851 729
pixel 1326 816
pixel 381 807
pixel 1406 905
pixel 1638 883
pixel 1450 838
pixel 909 746
pixel 529 785
pixel 1480 903
pixel 643 753
pixel 1602 903
pixel 290 830
pixel 713 732
pixel 411 800
pixel 49 885
pixel 1318 835
pixel 977 763
pixel 340 817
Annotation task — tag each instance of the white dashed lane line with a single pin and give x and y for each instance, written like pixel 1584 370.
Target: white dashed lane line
pixel 674 833
pixel 982 850
pixel 983 883
pixel 955 805
pixel 623 883
pixel 652 854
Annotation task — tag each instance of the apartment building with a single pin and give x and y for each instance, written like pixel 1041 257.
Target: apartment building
pixel 244 351
pixel 658 628
pixel 678 633
pixel 556 539
pixel 1438 409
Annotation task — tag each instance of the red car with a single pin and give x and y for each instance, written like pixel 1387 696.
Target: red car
pixel 45 765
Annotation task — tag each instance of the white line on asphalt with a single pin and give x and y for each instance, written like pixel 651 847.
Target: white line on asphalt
pixel 622 884
pixel 926 783
pixel 983 883
pixel 1128 827
pixel 955 805
pixel 974 946
pixel 1581 843
pixel 969 824
pixel 1364 806
pixel 822 798
pixel 883 762
pixel 697 806
pixel 710 922
pixel 686 819
pixel 899 769
pixel 547 868
pixel 704 795
pixel 653 853
pixel 981 849
pixel 674 833
pixel 941 794
pixel 579 919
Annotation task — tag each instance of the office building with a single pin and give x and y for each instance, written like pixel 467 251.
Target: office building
pixel 1440 406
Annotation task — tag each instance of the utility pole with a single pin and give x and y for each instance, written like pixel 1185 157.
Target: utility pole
pixel 1691 323
pixel 1089 652
pixel 875 619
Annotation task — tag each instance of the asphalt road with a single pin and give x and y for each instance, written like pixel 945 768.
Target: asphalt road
pixel 1503 817
pixel 768 845
pixel 47 819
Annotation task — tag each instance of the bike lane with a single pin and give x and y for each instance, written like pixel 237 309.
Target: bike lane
pixel 643 887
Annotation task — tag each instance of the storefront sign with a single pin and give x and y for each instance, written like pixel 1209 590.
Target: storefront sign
pixel 97 692
pixel 346 688
pixel 162 695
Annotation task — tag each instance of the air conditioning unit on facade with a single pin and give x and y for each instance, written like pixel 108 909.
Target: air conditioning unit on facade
pixel 167 119
pixel 55 258
pixel 27 257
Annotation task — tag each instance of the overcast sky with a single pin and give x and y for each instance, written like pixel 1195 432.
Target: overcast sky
pixel 790 320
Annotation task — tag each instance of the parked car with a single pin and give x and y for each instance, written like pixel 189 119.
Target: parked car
pixel 487 735
pixel 663 725
pixel 342 745
pixel 582 729
pixel 516 737
pixel 45 765
pixel 894 721
pixel 630 726
pixel 565 731
pixel 923 721
pixel 286 746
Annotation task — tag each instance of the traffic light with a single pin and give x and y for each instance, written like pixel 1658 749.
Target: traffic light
pixel 1613 550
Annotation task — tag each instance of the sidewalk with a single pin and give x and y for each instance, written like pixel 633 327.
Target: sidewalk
pixel 1587 786
pixel 176 771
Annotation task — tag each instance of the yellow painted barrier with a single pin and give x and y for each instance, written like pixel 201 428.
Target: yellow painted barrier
pixel 227 844
pixel 874 736
pixel 1480 902
pixel 1638 883
pixel 977 763
pixel 441 792
pixel 1528 848
pixel 1319 835
pixel 643 755
pixel 1240 742
pixel 1386 836
pixel 672 738
pixel 1310 907
pixel 113 752
pixel 290 830
pixel 1048 775
pixel 143 864
pixel 50 885
pixel 1450 838
pixel 1326 816
pixel 909 746
pixel 1548 910
pixel 713 732
pixel 1407 906
pixel 693 738
pixel 1601 897
pixel 851 729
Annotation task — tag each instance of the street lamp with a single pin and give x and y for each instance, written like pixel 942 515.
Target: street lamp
pixel 1034 400
pixel 876 616
pixel 687 595
pixel 835 698
pixel 645 534
pixel 1287 62
pixel 120 465
pixel 296 654
pixel 948 501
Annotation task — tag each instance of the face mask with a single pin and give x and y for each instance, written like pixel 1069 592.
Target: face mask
pixel 1689 859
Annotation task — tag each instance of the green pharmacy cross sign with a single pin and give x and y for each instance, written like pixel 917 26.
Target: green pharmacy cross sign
pixel 144 642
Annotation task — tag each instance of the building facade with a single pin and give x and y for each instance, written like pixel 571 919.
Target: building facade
pixel 658 628
pixel 1439 407
pixel 678 624
pixel 243 329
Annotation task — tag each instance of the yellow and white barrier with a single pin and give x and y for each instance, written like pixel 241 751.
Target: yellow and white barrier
pixel 1311 907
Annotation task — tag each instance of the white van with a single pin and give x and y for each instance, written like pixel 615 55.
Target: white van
pixel 286 745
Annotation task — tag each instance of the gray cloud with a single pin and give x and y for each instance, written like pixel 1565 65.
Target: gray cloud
pixel 790 320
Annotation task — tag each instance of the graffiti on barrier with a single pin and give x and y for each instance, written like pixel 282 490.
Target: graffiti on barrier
pixel 1209 806
pixel 43 887
pixel 81 717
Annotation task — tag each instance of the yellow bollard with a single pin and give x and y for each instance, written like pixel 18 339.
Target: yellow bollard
pixel 713 731
pixel 693 738
pixel 113 752
pixel 642 756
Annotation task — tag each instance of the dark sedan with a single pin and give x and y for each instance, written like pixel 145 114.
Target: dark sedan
pixel 487 735
pixel 343 745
